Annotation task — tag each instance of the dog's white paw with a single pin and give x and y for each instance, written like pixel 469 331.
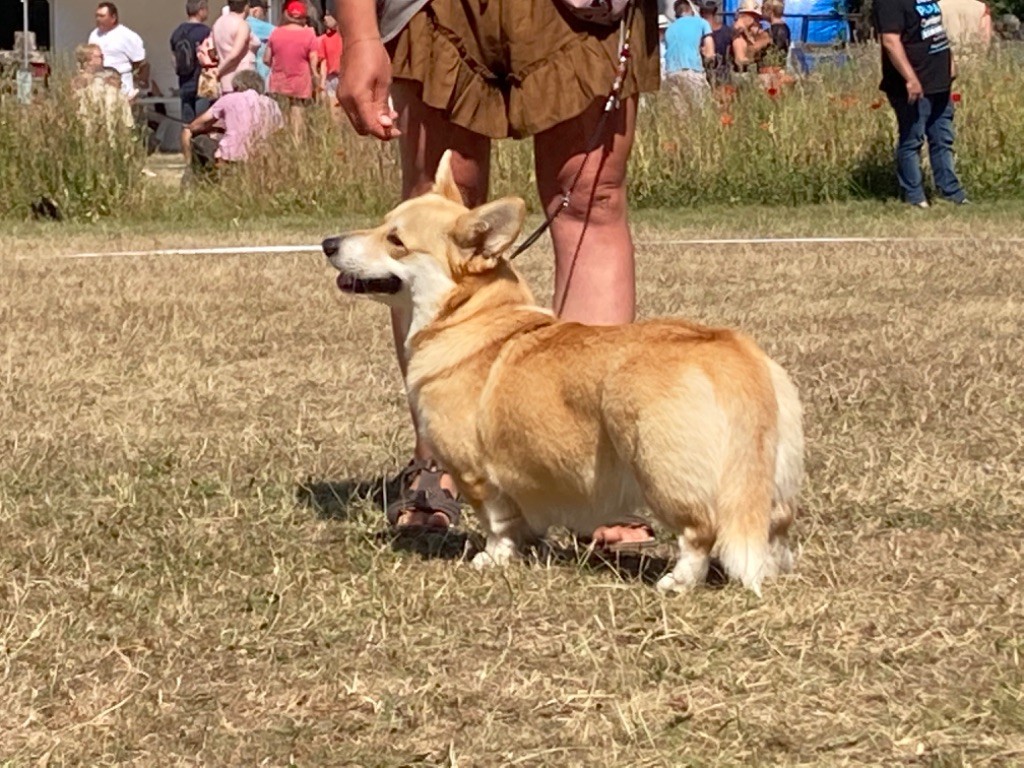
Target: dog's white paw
pixel 482 561
pixel 669 584
pixel 691 570
pixel 499 554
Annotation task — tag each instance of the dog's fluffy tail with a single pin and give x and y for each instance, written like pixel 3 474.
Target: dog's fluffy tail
pixel 745 554
pixel 744 513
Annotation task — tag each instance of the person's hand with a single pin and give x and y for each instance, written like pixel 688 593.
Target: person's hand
pixel 363 86
pixel 914 90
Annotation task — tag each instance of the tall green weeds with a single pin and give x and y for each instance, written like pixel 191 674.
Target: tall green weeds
pixel 827 137
pixel 87 168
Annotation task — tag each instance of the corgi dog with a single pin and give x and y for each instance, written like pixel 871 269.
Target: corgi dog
pixel 543 422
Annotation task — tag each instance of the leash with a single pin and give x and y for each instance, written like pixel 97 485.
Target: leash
pixel 612 103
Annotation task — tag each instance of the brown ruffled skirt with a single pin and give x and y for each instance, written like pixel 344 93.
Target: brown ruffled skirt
pixel 514 68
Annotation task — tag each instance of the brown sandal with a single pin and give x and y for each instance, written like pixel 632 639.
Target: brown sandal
pixel 430 497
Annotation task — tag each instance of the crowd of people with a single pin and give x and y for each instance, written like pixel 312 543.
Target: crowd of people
pixel 240 79
pixel 296 66
pixel 701 51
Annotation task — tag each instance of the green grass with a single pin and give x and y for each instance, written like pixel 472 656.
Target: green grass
pixel 827 138
pixel 186 580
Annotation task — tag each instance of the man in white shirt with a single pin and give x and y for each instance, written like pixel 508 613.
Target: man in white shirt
pixel 122 48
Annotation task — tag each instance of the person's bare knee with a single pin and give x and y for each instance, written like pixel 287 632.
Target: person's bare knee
pixel 595 178
pixel 598 202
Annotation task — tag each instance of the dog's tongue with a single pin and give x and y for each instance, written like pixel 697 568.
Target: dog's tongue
pixel 345 283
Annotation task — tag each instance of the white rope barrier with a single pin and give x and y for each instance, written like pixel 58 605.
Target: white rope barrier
pixel 254 250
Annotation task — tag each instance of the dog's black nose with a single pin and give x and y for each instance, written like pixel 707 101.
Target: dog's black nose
pixel 331 246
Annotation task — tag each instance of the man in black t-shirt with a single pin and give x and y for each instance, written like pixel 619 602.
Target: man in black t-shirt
pixel 185 40
pixel 917 76
pixel 721 37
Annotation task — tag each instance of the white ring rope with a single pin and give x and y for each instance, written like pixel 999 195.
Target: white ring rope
pixel 285 249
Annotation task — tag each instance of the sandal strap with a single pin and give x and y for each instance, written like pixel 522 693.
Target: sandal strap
pixel 429 497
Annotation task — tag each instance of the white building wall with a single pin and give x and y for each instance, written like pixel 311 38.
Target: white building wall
pixel 154 20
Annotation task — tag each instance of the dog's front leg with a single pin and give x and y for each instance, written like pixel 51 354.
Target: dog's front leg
pixel 506 530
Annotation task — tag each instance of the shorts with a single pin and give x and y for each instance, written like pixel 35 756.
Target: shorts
pixel 687 87
pixel 514 68
pixel 192 106
pixel 331 87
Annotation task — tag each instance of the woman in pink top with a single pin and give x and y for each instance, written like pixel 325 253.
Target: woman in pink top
pixel 292 58
pixel 236 45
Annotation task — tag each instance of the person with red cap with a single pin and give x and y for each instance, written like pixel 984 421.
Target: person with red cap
pixel 292 57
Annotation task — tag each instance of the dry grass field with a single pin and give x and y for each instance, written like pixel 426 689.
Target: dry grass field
pixel 193 569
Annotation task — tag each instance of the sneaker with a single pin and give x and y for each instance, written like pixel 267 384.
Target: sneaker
pixel 922 204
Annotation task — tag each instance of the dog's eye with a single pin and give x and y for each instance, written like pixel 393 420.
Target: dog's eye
pixel 395 240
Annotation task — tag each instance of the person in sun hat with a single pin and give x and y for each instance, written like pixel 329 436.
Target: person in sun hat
pixel 749 38
pixel 292 57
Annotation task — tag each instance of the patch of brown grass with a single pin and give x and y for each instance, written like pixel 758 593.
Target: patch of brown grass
pixel 177 585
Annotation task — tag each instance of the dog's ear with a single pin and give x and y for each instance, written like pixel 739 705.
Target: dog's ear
pixel 444 180
pixel 489 231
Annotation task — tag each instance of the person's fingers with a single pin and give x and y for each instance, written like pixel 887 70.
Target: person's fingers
pixel 371 120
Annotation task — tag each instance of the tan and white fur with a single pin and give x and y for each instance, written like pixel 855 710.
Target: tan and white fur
pixel 543 422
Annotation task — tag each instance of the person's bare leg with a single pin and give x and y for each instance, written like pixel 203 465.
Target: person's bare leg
pixel 298 119
pixel 594 270
pixel 595 281
pixel 425 137
pixel 186 146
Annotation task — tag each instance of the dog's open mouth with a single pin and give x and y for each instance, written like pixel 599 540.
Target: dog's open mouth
pixel 350 284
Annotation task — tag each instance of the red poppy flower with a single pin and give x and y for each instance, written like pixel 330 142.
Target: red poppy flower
pixel 956 97
pixel 773 92
pixel 727 119
pixel 876 104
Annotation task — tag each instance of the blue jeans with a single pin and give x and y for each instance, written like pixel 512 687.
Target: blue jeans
pixel 192 106
pixel 932 117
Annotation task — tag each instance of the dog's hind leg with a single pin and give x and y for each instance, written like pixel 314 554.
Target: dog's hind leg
pixel 506 529
pixel 691 569
pixel 680 500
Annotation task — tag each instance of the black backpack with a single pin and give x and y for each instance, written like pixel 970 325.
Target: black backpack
pixel 186 63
